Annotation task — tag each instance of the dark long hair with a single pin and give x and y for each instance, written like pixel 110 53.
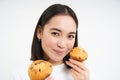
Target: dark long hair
pixel 51 11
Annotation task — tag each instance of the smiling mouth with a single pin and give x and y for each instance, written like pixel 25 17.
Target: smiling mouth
pixel 59 52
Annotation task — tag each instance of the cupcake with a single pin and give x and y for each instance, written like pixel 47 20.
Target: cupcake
pixel 78 54
pixel 39 70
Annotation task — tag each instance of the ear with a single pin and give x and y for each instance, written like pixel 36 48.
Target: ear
pixel 39 33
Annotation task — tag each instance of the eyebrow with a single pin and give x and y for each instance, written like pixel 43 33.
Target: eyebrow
pixel 72 33
pixel 61 31
pixel 56 29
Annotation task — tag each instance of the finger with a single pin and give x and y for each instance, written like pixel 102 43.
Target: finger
pixel 74 74
pixel 79 64
pixel 77 76
pixel 76 68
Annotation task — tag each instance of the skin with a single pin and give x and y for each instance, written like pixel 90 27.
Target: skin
pixel 79 70
pixel 58 37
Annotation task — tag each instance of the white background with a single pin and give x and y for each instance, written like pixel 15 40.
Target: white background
pixel 99 34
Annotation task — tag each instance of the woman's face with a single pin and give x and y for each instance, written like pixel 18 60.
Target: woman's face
pixel 58 38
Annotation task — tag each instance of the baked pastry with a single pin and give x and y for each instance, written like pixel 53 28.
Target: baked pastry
pixel 39 70
pixel 78 54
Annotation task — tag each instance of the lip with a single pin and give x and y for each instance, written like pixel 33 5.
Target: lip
pixel 59 52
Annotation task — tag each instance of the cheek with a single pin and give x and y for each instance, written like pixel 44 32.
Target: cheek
pixel 48 41
pixel 70 44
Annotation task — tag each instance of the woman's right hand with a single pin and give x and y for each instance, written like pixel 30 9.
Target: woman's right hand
pixel 49 78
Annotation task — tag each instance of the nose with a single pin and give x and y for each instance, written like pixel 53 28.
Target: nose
pixel 61 43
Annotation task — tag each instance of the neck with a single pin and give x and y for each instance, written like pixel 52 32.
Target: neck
pixel 55 63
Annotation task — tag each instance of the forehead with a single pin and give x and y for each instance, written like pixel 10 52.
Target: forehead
pixel 62 22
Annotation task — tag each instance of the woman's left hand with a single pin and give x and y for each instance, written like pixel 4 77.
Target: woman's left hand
pixel 79 70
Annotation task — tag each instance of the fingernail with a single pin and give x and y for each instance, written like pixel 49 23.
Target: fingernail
pixel 70 59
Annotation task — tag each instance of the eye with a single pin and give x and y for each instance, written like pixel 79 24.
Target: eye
pixel 71 37
pixel 55 33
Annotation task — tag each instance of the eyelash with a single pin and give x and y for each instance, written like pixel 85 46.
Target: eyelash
pixel 55 33
pixel 71 36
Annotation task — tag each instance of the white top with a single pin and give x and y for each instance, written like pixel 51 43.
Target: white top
pixel 60 72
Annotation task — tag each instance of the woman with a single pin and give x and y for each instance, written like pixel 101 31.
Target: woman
pixel 54 37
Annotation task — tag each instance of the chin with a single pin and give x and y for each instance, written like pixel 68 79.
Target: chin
pixel 58 60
